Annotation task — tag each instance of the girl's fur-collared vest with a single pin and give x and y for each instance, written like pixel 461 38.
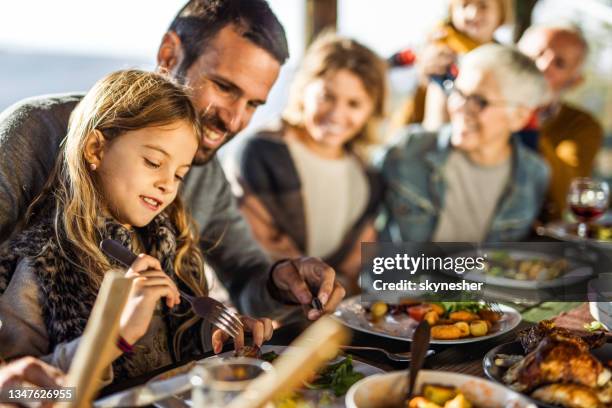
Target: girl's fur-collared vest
pixel 67 293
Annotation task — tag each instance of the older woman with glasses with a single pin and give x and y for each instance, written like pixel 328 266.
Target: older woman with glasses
pixel 471 181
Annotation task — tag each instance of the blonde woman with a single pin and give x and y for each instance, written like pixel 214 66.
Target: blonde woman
pixel 304 187
pixel 130 143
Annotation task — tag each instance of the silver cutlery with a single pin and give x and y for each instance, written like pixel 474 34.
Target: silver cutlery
pixel 211 310
pixel 494 307
pixel 399 357
pixel 420 344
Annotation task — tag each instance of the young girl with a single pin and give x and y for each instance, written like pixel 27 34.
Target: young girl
pixel 471 23
pixel 129 145
pixel 304 187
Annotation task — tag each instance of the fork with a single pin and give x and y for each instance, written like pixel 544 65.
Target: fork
pixel 206 307
pixel 494 307
pixel 400 357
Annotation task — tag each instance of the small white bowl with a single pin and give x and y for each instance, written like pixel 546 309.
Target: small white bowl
pixel 387 390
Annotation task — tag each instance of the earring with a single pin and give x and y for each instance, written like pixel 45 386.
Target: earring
pixel 93 166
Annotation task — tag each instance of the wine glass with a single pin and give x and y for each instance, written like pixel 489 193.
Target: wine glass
pixel 588 200
pixel 216 381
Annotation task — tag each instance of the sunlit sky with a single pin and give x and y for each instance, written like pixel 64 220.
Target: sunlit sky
pixel 85 39
pixel 132 28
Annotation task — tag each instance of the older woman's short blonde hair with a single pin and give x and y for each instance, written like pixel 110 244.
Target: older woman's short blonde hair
pixel 520 81
pixel 330 53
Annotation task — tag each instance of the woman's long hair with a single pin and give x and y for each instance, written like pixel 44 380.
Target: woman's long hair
pixel 120 102
pixel 331 53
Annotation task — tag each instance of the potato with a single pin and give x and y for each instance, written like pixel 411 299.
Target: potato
pixel 379 310
pixel 421 402
pixel 463 316
pixel 437 308
pixel 464 327
pixel 458 402
pixel 446 332
pixel 478 328
pixel 432 317
pixel 489 325
pixel 439 394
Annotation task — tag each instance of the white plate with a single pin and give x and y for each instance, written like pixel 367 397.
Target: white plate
pixel 352 314
pixel 184 400
pixel 388 390
pixel 576 272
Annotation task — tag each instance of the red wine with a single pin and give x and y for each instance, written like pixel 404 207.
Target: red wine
pixel 587 213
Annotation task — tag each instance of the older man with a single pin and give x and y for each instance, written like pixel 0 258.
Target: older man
pixel 230 53
pixel 569 138
pixel 471 181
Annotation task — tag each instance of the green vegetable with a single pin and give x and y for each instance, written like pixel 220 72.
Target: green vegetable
pixel 473 307
pixel 594 326
pixel 496 271
pixel 270 356
pixel 338 377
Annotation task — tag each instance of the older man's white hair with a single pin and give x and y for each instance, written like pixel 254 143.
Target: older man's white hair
pixel 519 79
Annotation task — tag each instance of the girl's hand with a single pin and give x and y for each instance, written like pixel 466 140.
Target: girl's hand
pixel 149 285
pixel 261 328
pixel 435 59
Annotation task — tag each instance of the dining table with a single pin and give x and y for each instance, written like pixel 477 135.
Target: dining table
pixel 461 358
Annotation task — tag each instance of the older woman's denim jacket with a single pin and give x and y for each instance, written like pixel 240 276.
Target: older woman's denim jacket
pixel 413 171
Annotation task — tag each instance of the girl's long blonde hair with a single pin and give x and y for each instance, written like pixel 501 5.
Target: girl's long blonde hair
pixel 120 102
pixel 330 53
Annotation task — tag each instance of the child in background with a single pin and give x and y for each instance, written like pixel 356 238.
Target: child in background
pixel 471 23
pixel 130 143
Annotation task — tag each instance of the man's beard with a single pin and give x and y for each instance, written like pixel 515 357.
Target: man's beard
pixel 211 119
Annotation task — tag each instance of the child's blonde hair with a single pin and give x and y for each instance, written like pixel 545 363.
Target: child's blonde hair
pixel 331 53
pixel 118 103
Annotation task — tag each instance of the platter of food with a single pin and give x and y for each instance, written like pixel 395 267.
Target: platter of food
pixel 530 270
pixel 452 322
pixel 326 388
pixel 555 367
pixel 434 389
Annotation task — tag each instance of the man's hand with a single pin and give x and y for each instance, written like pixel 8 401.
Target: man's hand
pixel 299 279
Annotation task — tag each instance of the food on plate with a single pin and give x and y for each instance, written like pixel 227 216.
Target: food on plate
pixel 248 351
pixel 602 232
pixel 503 264
pixel 337 377
pixel 568 395
pixel 270 356
pixel 439 396
pixel 558 367
pixel 531 337
pixel 479 328
pixel 449 320
pixel 446 332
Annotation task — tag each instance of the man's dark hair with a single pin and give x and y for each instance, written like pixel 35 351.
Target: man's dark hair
pixel 199 21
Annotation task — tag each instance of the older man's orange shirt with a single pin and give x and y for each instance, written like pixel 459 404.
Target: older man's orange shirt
pixel 569 142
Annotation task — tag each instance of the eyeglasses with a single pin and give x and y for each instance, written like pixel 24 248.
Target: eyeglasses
pixel 475 103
